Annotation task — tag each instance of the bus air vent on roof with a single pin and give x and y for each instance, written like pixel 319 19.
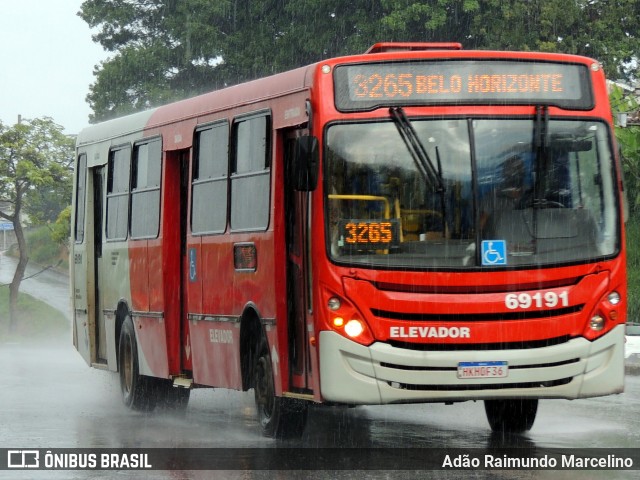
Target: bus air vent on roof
pixel 410 46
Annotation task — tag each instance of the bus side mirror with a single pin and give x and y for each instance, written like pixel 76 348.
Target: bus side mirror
pixel 306 159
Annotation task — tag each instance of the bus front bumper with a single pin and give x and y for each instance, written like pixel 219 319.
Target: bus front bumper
pixel 351 373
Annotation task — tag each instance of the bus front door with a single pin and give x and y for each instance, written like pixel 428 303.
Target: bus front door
pixel 98 228
pixel 299 298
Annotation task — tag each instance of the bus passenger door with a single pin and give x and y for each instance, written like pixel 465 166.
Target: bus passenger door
pixel 98 195
pixel 175 190
pixel 182 157
pixel 296 219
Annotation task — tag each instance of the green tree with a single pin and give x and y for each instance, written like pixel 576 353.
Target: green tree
pixel 607 30
pixel 61 228
pixel 435 20
pixel 34 155
pixel 43 205
pixel 164 50
pixel 628 138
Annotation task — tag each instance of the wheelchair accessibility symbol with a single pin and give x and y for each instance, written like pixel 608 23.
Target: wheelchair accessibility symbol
pixel 494 252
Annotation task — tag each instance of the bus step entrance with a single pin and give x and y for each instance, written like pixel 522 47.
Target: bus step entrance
pixel 182 382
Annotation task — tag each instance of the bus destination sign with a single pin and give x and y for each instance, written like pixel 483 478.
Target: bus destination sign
pixel 361 87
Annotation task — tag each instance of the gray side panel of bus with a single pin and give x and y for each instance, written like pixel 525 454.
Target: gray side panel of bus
pixel 94 332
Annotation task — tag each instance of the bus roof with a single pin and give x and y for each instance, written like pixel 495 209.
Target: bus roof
pixel 218 100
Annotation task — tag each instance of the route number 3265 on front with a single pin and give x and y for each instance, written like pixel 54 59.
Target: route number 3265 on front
pixel 515 301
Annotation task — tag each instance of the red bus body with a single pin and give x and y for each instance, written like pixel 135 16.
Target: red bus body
pixel 200 302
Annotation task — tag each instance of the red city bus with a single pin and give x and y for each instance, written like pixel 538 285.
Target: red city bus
pixel 419 223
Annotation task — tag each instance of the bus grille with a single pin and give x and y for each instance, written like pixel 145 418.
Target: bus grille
pixel 481 346
pixel 476 317
pixel 477 289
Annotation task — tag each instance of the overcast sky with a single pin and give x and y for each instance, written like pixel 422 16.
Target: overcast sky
pixel 46 62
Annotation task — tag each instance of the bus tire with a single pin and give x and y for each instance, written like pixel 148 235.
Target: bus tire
pixel 279 417
pixel 511 415
pixel 137 390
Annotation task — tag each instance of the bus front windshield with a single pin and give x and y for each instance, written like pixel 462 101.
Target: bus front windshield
pixel 483 193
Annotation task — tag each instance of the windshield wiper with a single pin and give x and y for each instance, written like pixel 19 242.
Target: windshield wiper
pixel 416 148
pixel 421 158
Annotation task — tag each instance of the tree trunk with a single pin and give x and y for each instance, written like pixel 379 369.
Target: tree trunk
pixel 14 287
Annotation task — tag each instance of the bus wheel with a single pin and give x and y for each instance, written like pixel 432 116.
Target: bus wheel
pixel 513 416
pixel 137 390
pixel 279 417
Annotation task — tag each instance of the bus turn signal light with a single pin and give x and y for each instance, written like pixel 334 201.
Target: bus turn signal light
pixel 338 322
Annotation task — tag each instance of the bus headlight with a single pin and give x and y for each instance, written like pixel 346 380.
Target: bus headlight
pixel 334 304
pixel 597 323
pixel 354 328
pixel 614 298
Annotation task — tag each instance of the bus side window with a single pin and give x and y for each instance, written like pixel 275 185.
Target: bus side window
pixel 210 176
pixel 250 172
pixel 118 193
pixel 81 193
pixel 145 189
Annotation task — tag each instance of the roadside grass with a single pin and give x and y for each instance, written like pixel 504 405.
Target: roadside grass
pixel 43 250
pixel 37 321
